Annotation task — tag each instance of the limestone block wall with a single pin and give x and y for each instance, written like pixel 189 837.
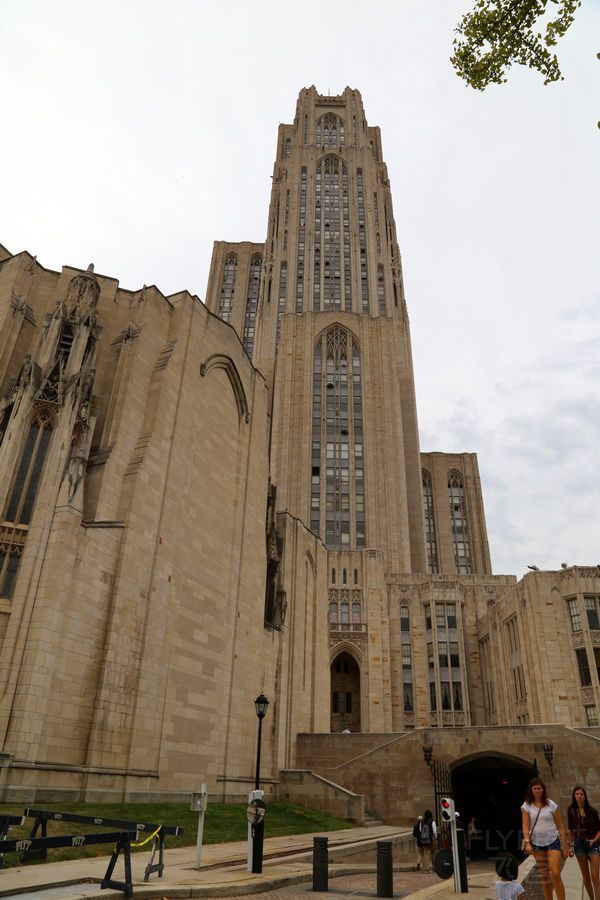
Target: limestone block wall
pixel 396 782
pixel 135 642
pixel 534 646
pixel 438 466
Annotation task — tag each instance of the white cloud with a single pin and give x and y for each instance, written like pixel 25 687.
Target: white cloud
pixel 135 134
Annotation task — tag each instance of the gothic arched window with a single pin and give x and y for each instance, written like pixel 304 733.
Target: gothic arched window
pixel 29 471
pixel 332 274
pixel 330 131
pixel 21 501
pixel 430 538
pixel 252 303
pixel 337 499
pixel 460 530
pixel 228 287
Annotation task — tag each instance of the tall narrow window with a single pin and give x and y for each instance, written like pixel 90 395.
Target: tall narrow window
pixel 252 303
pixel 228 287
pixel 332 227
pixel 573 609
pixel 282 296
pixel 583 665
pixel 592 603
pixel 430 538
pixel 21 500
pixel 404 619
pixel 337 504
pixel 301 238
pixel 362 242
pixel 381 290
pixel 458 516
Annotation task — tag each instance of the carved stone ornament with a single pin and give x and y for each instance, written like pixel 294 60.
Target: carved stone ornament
pixel 578 639
pixel 587 694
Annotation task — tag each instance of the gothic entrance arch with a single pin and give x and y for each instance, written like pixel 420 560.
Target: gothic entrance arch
pixel 491 787
pixel 345 693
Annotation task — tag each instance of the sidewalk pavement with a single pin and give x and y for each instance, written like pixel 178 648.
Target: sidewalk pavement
pixel 288 861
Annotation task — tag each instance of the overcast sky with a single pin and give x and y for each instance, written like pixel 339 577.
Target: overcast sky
pixel 137 132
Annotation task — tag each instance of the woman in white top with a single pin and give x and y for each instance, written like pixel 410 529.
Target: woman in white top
pixel 544 835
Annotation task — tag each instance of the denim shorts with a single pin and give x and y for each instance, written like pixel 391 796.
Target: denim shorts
pixel 582 848
pixel 555 845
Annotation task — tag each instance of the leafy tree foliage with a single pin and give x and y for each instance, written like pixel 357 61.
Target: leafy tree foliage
pixel 498 33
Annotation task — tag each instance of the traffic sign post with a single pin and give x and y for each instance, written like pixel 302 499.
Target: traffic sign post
pixel 256 830
pixel 199 803
pixel 449 816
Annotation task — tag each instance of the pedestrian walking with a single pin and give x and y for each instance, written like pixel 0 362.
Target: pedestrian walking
pixel 544 837
pixel 583 823
pixel 425 833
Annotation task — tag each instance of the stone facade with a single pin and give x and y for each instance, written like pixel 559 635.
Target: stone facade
pixel 200 503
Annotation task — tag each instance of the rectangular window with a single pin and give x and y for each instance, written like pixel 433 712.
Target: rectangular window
pixel 430 655
pixel 451 614
pixel 597 660
pixel 440 615
pixel 591 608
pixel 404 619
pixel 408 697
pixel 591 715
pixel 428 617
pixel 457 695
pixel 443 654
pixel 446 701
pixel 583 665
pixel 432 697
pixel 454 658
pixel 406 660
pixel 574 615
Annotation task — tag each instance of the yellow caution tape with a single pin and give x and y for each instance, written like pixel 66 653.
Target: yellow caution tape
pixel 146 840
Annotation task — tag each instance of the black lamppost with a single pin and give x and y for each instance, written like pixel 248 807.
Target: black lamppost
pixel 260 704
pixel 258 827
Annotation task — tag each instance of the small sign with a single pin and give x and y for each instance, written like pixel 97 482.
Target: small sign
pixel 198 802
pixel 256 811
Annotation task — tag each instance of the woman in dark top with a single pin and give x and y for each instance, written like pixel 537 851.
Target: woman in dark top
pixel 584 836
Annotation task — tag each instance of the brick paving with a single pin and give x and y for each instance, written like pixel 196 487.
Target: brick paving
pixel 365 885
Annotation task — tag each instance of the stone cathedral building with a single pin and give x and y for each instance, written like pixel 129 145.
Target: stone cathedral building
pixel 202 502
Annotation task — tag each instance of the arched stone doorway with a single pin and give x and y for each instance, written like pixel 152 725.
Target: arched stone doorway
pixel 491 788
pixel 345 693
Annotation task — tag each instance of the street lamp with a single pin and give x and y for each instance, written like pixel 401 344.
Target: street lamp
pixel 256 808
pixel 260 704
pixel 549 754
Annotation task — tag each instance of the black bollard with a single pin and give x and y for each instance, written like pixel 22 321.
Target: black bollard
pixel 258 836
pixel 385 871
pixel 320 864
pixel 462 862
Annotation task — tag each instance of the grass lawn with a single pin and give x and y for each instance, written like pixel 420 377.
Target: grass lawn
pixel 222 822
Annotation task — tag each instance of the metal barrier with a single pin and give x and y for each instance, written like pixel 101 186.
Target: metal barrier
pixel 5 823
pixel 121 839
pixel 157 832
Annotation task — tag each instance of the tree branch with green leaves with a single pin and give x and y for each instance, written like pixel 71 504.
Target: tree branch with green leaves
pixel 498 33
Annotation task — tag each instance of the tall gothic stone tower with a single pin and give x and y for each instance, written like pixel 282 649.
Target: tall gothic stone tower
pixel 320 308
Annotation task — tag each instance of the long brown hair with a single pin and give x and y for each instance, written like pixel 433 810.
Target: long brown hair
pixel 588 808
pixel 529 798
